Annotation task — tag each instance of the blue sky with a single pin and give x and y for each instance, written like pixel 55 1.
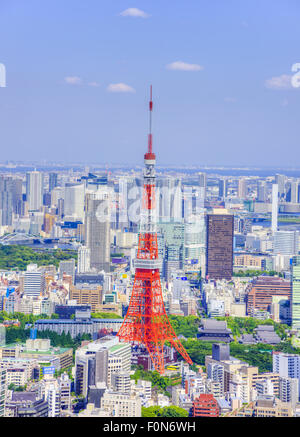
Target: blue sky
pixel 78 76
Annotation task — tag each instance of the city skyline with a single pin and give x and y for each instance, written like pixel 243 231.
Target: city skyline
pixel 221 78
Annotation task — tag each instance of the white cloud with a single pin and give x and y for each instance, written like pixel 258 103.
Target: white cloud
pixel 95 84
pixel 282 82
pixel 183 66
pixel 120 88
pixel 134 12
pixel 73 80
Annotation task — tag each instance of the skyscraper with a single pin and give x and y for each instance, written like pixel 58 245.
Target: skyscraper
pixel 52 181
pixel 97 229
pixel 34 281
pixel 74 201
pixel 169 195
pixel 223 188
pixel 171 246
pixel 274 207
pixel 287 365
pixel 203 183
pixel 84 262
pixel 280 181
pixel 34 190
pixel 10 198
pixel 219 245
pixel 261 191
pixel 242 188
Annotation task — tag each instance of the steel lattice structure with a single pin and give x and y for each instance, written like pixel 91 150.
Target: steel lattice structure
pixel 146 321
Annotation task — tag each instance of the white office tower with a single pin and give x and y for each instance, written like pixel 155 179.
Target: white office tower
pixel 280 182
pixel 169 199
pixel 53 397
pixel 36 222
pixel 242 188
pixel 56 194
pixel 129 201
pixel 288 390
pixel 274 207
pixel 84 260
pixel 64 383
pixel 34 190
pixel 194 236
pixel 97 229
pixel 294 191
pixel 286 243
pixel 34 281
pixel 202 178
pixel 286 365
pixel 216 373
pixel 261 191
pixel 74 201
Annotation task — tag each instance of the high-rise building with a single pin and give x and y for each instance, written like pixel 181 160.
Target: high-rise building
pixel 287 365
pixel 275 193
pixel 289 390
pixel 286 243
pixel 53 398
pixel 10 198
pixel 223 188
pixel 202 178
pixel 53 182
pixel 34 281
pixel 296 293
pixel 219 245
pixel 171 247
pixel 67 267
pixel 34 190
pixel 97 229
pixel 84 260
pixel 216 373
pixel 292 191
pixel 98 361
pixel 74 201
pixel 169 199
pixel 280 182
pixel 261 191
pixel 242 188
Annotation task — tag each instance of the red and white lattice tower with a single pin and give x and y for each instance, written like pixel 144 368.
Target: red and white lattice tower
pixel 146 321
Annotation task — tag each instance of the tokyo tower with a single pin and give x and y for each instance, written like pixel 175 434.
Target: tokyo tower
pixel 146 321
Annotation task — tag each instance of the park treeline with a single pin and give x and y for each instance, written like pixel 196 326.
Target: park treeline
pixel 18 257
